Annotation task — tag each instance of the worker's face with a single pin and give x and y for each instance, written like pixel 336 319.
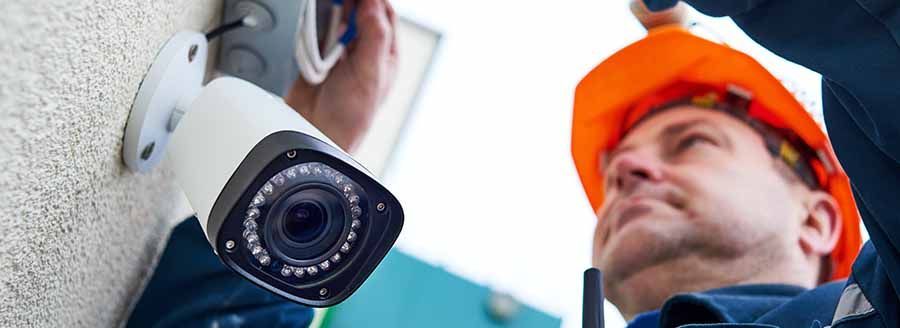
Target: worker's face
pixel 689 188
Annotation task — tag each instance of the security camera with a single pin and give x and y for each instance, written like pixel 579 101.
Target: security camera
pixel 279 202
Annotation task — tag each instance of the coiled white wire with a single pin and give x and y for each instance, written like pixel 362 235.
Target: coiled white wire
pixel 314 67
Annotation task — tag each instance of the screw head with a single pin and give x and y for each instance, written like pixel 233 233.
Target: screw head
pixel 380 207
pixel 148 150
pixel 229 245
pixel 323 291
pixel 291 154
pixel 192 53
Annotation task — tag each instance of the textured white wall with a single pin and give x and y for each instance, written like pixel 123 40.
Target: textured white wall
pixel 78 232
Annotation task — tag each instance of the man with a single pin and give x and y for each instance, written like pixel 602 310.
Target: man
pixel 191 287
pixel 718 199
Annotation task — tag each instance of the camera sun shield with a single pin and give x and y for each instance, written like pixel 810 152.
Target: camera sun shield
pixel 305 224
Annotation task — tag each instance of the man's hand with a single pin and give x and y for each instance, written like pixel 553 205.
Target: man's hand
pixel 676 15
pixel 344 104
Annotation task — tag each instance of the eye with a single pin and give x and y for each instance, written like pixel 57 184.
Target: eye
pixel 693 140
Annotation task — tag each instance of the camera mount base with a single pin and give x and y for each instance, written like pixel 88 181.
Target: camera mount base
pixel 174 79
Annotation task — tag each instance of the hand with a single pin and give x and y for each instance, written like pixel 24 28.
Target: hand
pixel 344 104
pixel 676 15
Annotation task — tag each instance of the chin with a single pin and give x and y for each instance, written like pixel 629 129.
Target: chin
pixel 638 246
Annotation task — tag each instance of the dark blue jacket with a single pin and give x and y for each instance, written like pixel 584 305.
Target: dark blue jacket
pixel 192 288
pixel 778 305
pixel 854 45
pixel 770 305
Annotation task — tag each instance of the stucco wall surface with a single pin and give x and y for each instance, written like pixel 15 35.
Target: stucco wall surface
pixel 79 233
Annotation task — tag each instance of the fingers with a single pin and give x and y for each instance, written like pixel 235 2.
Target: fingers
pixel 651 19
pixel 392 17
pixel 376 30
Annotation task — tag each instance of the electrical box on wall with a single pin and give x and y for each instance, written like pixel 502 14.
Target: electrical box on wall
pixel 264 55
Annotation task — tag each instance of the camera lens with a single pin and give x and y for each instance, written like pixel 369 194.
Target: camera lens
pixel 304 222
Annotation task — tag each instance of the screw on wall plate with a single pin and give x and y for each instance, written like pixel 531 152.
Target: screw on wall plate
pixel 380 207
pixel 192 53
pixel 291 154
pixel 148 150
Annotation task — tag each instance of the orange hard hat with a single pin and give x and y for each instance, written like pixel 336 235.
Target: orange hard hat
pixel 607 104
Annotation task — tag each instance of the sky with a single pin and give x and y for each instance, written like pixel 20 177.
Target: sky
pixel 483 169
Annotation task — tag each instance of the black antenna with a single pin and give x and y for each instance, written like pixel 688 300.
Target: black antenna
pixel 592 308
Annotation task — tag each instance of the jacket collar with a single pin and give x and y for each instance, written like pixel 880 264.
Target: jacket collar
pixel 734 304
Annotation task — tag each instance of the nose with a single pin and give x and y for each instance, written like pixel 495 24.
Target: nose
pixel 631 169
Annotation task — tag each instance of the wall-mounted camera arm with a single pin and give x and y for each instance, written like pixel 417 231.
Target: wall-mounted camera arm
pixel 172 82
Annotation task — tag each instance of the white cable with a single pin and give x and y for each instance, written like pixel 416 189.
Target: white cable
pixel 312 41
pixel 307 70
pixel 313 67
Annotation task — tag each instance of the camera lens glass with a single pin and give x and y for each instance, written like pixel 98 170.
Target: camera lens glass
pixel 304 222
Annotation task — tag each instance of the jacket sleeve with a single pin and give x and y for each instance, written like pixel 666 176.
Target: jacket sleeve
pixel 854 45
pixel 192 288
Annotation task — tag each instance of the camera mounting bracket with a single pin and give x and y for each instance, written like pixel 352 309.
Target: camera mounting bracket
pixel 173 81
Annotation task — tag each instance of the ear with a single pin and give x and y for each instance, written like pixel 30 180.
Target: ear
pixel 820 230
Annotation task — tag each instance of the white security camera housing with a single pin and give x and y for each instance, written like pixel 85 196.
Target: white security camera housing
pixel 279 202
pixel 222 126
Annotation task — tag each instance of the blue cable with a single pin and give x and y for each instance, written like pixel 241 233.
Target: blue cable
pixel 351 31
